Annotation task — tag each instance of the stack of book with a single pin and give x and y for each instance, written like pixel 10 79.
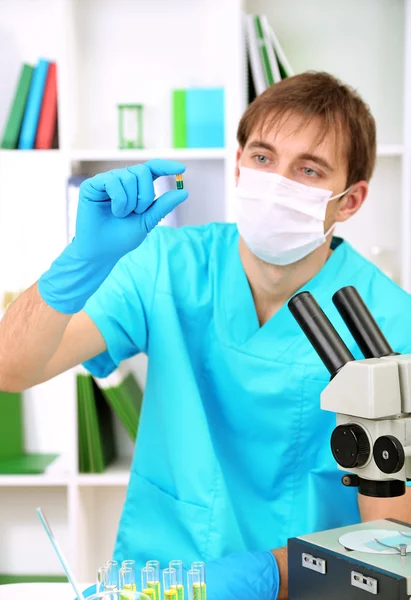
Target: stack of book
pixel 97 401
pixel 32 119
pixel 13 458
pixel 267 61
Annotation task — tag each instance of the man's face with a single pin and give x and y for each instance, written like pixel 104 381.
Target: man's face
pixel 293 151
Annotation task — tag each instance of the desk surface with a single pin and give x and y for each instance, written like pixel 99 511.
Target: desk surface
pixel 38 591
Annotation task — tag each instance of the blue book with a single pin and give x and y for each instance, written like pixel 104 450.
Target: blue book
pixel 33 106
pixel 205 117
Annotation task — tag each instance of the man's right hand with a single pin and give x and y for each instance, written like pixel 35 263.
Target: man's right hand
pixel 116 211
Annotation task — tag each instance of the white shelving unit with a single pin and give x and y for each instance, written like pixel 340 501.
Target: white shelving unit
pixel 111 51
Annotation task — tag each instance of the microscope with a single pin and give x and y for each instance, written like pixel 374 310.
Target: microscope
pixel 372 444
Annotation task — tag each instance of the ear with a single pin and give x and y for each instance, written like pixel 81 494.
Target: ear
pixel 351 202
pixel 237 164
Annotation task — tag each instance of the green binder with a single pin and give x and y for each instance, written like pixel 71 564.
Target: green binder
pixel 13 126
pixel 95 427
pixel 27 464
pixel 11 430
pixel 179 119
pixel 125 396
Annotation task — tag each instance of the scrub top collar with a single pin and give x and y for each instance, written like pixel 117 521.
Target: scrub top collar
pixel 271 341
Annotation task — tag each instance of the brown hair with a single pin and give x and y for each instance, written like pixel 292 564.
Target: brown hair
pixel 317 94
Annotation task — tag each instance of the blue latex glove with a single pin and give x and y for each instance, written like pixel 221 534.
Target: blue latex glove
pixel 115 213
pixel 245 576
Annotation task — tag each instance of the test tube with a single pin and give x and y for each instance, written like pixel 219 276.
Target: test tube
pixel 194 585
pixel 131 564
pixel 127 580
pixel 148 582
pixel 155 564
pixel 170 584
pixel 200 566
pixel 112 579
pixel 178 566
pixel 102 579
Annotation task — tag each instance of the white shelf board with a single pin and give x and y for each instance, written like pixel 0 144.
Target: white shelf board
pixel 117 474
pixel 94 155
pixel 34 480
pixel 390 150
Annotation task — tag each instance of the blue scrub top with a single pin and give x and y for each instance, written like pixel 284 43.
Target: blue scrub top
pixel 233 450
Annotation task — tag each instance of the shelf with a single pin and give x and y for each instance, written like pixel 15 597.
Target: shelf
pixel 33 480
pixel 117 474
pixel 114 155
pixel 390 150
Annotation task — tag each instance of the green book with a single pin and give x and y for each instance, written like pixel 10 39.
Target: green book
pixel 125 396
pixel 95 427
pixel 13 125
pixel 5 578
pixel 27 464
pixel 263 51
pixel 11 425
pixel 179 119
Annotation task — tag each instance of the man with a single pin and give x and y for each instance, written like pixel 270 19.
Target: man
pixel 233 454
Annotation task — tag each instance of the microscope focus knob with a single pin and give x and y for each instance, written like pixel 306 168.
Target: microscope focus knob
pixel 389 454
pixel 350 445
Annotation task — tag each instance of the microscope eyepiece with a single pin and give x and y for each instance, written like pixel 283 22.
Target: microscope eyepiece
pixel 320 332
pixel 361 323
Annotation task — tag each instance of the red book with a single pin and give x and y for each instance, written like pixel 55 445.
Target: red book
pixel 48 114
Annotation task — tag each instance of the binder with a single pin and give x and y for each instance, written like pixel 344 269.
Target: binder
pixel 179 119
pixel 33 106
pixel 205 117
pixel 15 118
pixel 11 430
pixel 48 113
pixel 124 395
pixel 95 426
pixel 26 464
pixel 260 83
pixel 283 64
pixel 264 28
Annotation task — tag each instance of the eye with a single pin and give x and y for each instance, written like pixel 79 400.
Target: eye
pixel 309 172
pixel 261 159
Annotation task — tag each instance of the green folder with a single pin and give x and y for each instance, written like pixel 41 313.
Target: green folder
pixel 179 119
pixel 11 430
pixel 13 126
pixel 95 426
pixel 27 464
pixel 125 398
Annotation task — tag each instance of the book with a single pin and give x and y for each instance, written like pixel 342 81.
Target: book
pixel 26 464
pixel 123 393
pixel 48 113
pixel 33 106
pixel 253 49
pixel 283 64
pixel 95 426
pixel 15 118
pixel 179 119
pixel 270 56
pixel 11 428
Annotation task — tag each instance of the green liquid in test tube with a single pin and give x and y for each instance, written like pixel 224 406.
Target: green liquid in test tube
pixel 170 584
pixel 127 582
pixel 194 585
pixel 200 566
pixel 131 564
pixel 178 566
pixel 155 564
pixel 148 582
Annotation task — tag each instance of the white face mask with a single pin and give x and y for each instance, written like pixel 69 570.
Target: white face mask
pixel 280 220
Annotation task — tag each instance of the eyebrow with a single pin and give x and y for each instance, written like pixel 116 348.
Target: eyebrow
pixel 304 156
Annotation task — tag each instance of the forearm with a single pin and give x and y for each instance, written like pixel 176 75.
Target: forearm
pixel 281 556
pixel 30 333
pixel 372 509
